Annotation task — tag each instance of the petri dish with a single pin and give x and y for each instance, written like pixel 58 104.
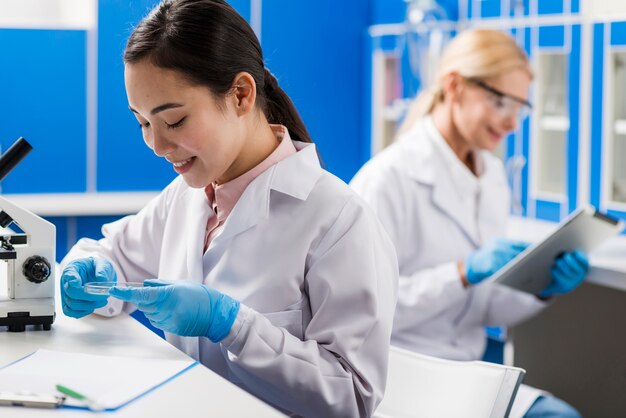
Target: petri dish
pixel 102 288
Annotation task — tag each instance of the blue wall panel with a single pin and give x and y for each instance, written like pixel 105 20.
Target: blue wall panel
pixel 91 226
pixel 243 7
pixel 574 106
pixel 549 211
pixel 451 7
pixel 42 91
pixel 545 7
pixel 551 36
pixel 386 11
pixel 618 33
pixel 526 138
pixel 321 70
pixel 124 161
pixel 490 8
pixel 596 115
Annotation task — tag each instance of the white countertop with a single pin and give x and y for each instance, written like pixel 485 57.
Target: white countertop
pixel 196 393
pixel 82 204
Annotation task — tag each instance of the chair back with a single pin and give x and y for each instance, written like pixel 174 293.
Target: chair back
pixel 421 386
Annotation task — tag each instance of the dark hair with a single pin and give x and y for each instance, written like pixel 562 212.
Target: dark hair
pixel 210 43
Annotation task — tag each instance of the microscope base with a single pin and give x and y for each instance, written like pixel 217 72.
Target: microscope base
pixel 18 323
pixel 18 313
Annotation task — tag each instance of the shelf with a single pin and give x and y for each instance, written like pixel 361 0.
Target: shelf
pixel 82 204
pixel 550 197
pixel 554 123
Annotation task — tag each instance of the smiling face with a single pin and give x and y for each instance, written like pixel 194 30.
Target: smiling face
pixel 479 115
pixel 183 123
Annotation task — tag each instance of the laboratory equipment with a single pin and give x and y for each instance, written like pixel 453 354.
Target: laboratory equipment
pixel 103 288
pixel 584 229
pixel 29 257
pixel 183 308
pixel 487 260
pixel 426 40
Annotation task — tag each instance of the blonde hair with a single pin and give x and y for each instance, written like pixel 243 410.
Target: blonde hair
pixel 474 53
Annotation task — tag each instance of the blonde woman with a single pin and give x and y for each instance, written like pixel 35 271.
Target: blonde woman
pixel 444 200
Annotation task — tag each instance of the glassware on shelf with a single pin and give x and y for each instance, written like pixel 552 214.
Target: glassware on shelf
pixel 551 160
pixel 619 169
pixel 553 86
pixel 619 98
pixel 617 135
pixel 426 38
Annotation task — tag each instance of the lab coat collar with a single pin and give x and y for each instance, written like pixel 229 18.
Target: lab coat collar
pixel 433 167
pixel 294 176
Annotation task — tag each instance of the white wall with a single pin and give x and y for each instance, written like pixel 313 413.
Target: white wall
pixel 602 8
pixel 49 14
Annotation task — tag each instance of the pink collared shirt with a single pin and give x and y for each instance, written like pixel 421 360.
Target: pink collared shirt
pixel 223 197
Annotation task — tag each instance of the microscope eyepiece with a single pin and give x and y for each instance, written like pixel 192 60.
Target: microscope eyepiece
pixel 13 156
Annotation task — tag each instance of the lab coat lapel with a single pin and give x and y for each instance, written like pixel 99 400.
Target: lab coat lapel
pixel 295 176
pixel 250 209
pixel 195 228
pixel 429 167
pixel 447 198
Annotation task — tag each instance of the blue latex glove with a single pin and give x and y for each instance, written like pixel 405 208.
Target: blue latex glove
pixel 77 303
pixel 492 257
pixel 183 308
pixel 568 272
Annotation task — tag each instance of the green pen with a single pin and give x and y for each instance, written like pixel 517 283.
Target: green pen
pixel 89 403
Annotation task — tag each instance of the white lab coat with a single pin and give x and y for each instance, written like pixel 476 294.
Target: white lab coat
pixel 313 268
pixel 437 213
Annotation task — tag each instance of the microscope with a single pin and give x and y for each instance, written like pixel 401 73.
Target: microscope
pixel 29 256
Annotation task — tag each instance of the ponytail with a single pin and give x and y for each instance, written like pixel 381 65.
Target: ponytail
pixel 279 109
pixel 422 105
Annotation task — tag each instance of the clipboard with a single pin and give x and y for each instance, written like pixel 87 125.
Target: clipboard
pixel 112 382
pixel 584 229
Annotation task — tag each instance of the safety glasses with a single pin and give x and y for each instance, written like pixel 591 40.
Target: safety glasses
pixel 505 104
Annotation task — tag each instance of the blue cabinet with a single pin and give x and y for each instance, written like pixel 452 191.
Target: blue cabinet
pixel 608 119
pixel 490 8
pixel 547 7
pixel 554 129
pixel 42 98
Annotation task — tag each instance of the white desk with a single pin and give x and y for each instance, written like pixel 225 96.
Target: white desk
pixel 196 393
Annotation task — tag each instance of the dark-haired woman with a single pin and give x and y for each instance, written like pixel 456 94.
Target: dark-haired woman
pixel 270 270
